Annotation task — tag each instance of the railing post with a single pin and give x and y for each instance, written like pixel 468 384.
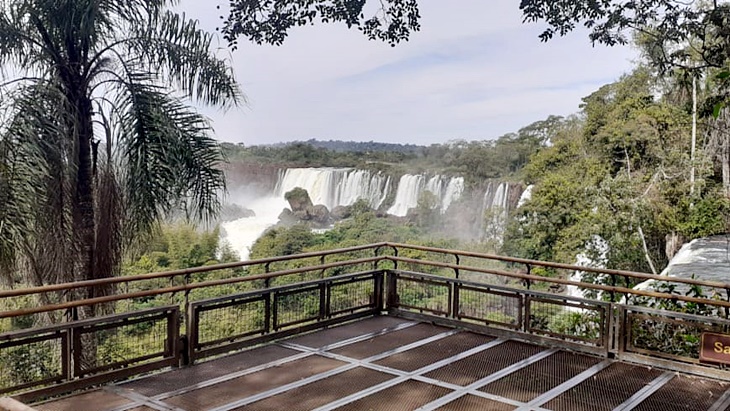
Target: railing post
pixel 267 281
pixel 392 298
pixel 379 290
pixel 66 351
pixel 173 335
pixel 455 299
pixel 274 312
pixel 456 270
pixel 376 253
pixel 187 291
pixel 76 348
pixel 267 313
pixel 192 334
pixel 323 301
pixel 395 254
pixel 526 316
pixel 526 282
pixel 613 284
pixel 321 262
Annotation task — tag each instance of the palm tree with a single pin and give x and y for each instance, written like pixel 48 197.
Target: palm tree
pixel 96 141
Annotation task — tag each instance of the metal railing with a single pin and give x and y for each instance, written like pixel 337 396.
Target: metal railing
pixel 178 317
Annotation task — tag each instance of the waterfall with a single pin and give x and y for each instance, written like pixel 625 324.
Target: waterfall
pixel 336 186
pixel 240 234
pixel 495 209
pixel 453 192
pixel 411 186
pixel 706 258
pixel 525 196
pixel 599 248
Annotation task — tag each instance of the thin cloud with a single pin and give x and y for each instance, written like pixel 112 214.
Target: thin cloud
pixel 473 72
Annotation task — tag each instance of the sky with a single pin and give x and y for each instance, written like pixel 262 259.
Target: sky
pixel 473 72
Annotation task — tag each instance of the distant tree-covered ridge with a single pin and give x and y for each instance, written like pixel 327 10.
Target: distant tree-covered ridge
pixel 500 158
pixel 365 146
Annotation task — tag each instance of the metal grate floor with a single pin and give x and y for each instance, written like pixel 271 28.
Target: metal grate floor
pixel 386 363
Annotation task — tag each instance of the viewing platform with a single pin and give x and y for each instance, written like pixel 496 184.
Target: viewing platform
pixel 376 327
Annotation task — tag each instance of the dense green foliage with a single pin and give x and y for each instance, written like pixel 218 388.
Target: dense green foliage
pixel 179 246
pixel 619 173
pixel 269 22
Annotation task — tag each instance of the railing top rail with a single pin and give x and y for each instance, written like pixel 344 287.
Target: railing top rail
pixel 381 257
pixel 174 273
pixel 601 287
pixel 280 288
pixel 12 335
pixel 633 274
pixel 501 288
pixel 179 288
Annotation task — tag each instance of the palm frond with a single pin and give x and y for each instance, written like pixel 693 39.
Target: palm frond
pixel 176 47
pixel 170 158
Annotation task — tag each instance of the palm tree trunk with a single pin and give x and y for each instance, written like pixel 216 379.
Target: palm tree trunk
pixel 83 200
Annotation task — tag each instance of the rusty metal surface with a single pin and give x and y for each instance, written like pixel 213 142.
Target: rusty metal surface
pixel 389 364
pixel 684 393
pixel 321 392
pixel 406 396
pixel 238 388
pixel 339 333
pixel 474 403
pixel 468 370
pixel 535 379
pixel 94 400
pixel 606 390
pixel 430 353
pixel 184 377
pixel 385 342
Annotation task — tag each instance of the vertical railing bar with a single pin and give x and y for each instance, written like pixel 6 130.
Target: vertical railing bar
pixel 275 311
pixel 376 253
pixel 66 355
pixel 395 254
pixel 76 351
pixel 267 313
pixel 322 301
pixel 455 299
pixel 456 269
pixel 193 318
pixel 527 315
pixel 173 335
pixel 613 284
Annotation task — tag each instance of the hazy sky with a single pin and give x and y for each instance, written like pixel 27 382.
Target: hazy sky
pixel 473 72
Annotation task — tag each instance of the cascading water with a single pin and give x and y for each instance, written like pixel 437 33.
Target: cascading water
pixel 525 196
pixel 240 234
pixel 411 186
pixel 595 256
pixel 705 258
pixel 453 192
pixel 495 209
pixel 333 187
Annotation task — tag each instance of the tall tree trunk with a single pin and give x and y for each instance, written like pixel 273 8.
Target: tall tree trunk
pixel 84 221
